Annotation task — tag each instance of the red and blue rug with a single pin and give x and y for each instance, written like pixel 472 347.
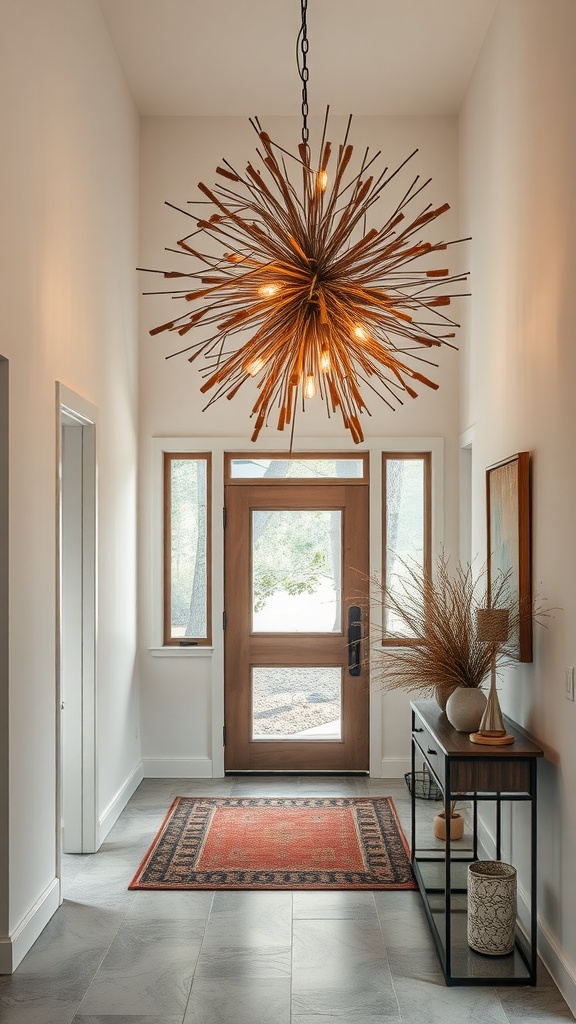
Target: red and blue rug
pixel 278 843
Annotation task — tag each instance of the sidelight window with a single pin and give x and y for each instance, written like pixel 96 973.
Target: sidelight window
pixel 407 516
pixel 186 549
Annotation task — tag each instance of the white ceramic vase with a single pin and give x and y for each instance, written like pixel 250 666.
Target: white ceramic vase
pixel 465 707
pixel 441 698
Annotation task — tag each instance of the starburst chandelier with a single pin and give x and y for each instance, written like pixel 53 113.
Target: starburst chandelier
pixel 301 295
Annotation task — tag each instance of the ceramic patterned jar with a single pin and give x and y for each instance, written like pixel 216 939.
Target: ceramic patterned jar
pixel 491 907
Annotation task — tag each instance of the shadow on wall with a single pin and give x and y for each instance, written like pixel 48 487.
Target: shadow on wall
pixel 552 907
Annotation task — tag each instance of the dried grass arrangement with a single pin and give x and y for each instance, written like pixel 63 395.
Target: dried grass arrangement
pixel 444 649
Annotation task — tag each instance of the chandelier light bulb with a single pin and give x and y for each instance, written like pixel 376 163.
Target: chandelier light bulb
pixel 254 366
pixel 360 333
pixel 324 363
pixel 310 386
pixel 322 181
pixel 267 291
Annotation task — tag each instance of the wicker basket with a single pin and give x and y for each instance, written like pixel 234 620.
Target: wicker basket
pixel 423 784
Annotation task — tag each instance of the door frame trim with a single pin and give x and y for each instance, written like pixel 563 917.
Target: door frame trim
pixel 380 766
pixel 73 408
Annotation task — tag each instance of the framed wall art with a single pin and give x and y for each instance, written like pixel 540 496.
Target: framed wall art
pixel 508 529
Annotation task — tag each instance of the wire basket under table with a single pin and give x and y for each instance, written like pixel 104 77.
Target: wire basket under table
pixel 424 786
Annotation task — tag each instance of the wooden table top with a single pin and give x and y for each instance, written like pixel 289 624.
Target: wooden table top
pixel 458 744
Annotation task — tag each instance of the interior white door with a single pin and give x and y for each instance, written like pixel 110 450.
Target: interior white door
pixel 77 796
pixel 71 638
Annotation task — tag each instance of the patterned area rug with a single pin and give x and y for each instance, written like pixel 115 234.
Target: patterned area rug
pixel 278 843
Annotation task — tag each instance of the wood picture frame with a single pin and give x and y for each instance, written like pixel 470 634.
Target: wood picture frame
pixel 509 540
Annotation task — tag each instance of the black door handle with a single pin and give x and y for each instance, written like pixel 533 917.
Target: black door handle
pixel 354 640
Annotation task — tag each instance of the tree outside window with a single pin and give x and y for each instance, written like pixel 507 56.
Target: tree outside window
pixel 186 548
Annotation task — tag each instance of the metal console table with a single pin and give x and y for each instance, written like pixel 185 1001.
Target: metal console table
pixel 465 770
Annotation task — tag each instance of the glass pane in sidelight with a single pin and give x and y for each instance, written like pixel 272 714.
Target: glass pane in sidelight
pixel 188 548
pixel 296 703
pixel 296 571
pixel 405 529
pixel 296 469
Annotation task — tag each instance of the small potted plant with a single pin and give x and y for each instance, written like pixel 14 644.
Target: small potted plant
pixel 456 823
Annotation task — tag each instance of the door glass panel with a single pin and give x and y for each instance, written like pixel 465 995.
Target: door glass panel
pixel 296 703
pixel 296 571
pixel 296 469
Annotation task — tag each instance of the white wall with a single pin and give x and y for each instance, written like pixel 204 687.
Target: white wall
pixel 176 153
pixel 68 209
pixel 518 152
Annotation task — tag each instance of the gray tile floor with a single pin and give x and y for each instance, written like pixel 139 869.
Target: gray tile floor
pixel 110 956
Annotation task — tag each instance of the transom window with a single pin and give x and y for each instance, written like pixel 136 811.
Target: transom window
pixel 303 466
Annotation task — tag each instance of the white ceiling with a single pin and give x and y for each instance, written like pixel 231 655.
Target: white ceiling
pixel 237 57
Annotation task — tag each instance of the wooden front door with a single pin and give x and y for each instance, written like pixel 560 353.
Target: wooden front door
pixel 296 679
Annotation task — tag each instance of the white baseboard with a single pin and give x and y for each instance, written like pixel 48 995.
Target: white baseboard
pixel 555 960
pixel 118 803
pixel 486 841
pixel 177 767
pixel 395 767
pixel 549 950
pixel 13 948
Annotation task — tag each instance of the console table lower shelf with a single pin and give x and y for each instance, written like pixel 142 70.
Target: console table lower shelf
pixel 465 771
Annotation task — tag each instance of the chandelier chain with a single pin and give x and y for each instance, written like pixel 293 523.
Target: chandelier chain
pixel 301 58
